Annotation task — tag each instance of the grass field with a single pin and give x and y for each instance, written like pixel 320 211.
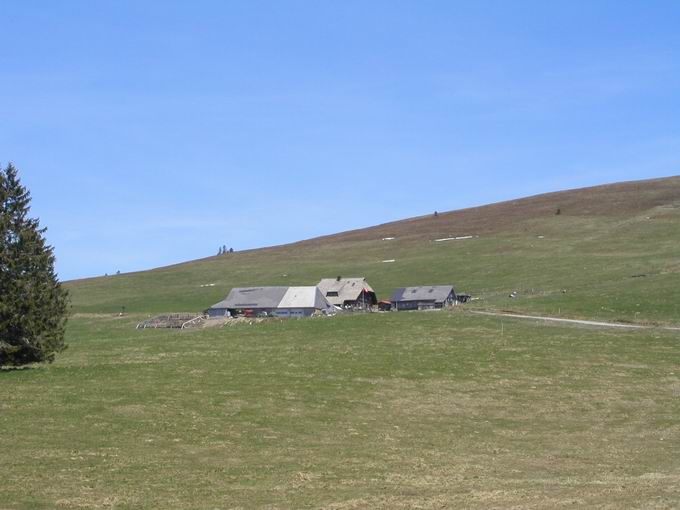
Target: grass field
pixel 398 410
pixel 409 410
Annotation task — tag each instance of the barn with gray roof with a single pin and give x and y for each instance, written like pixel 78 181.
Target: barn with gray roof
pixel 423 297
pixel 274 301
pixel 353 293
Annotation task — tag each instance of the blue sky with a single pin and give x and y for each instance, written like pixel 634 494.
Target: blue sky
pixel 152 132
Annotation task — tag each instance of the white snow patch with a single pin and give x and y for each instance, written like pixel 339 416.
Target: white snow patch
pixel 208 285
pixel 387 238
pixel 452 238
pixel 389 260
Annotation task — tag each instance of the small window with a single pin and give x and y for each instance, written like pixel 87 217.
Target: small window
pixel 431 291
pixel 332 293
pixel 413 291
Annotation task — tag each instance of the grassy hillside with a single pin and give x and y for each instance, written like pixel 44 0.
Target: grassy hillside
pixel 610 253
pixel 391 411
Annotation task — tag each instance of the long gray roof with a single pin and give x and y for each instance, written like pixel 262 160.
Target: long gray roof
pixel 253 297
pixel 274 297
pixel 348 289
pixel 436 293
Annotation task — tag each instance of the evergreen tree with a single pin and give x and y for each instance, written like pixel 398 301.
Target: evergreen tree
pixel 33 304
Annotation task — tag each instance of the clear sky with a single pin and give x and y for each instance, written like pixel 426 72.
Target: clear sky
pixel 152 132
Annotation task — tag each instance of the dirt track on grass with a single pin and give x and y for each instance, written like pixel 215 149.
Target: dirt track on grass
pixel 582 322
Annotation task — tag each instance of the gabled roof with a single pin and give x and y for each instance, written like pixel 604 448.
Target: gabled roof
pixel 436 293
pixel 347 289
pixel 304 297
pixel 253 297
pixel 274 297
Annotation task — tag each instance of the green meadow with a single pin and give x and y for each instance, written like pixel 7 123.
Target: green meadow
pixel 408 410
pixel 441 409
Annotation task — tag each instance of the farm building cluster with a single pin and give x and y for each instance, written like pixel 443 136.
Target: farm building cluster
pixel 329 296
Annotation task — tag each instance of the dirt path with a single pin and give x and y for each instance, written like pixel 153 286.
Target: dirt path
pixel 574 321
